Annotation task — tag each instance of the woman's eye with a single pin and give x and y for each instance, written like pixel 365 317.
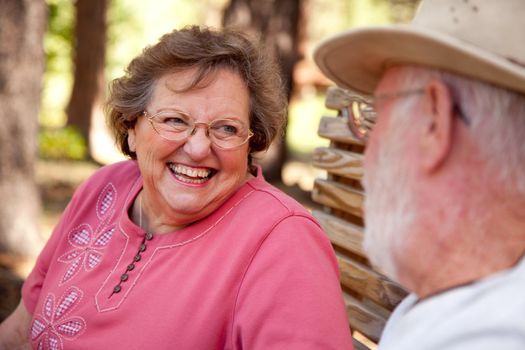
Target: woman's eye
pixel 174 120
pixel 224 129
pixel 230 129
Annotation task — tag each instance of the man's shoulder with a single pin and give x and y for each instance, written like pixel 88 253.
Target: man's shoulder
pixel 489 309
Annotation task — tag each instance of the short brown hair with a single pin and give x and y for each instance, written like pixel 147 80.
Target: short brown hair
pixel 207 50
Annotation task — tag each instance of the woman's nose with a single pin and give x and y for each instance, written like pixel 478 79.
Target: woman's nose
pixel 198 144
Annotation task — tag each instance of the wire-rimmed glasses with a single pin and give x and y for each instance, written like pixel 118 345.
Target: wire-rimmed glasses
pixel 175 125
pixel 361 114
pixel 360 111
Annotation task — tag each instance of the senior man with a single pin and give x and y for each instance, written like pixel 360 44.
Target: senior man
pixel 444 167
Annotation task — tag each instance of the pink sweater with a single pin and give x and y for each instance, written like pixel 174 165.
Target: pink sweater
pixel 258 273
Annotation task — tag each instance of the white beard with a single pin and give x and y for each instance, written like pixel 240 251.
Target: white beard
pixel 389 202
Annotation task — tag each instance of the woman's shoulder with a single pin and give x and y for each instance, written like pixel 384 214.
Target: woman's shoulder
pixel 276 198
pixel 119 171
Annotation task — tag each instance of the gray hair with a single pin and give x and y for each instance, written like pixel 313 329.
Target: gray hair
pixel 497 122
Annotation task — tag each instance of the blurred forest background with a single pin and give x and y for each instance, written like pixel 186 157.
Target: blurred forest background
pixel 57 56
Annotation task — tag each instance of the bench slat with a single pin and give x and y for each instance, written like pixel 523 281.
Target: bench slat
pixel 369 295
pixel 363 319
pixel 338 196
pixel 341 232
pixel 336 98
pixel 339 162
pixel 358 345
pixel 335 129
pixel 370 284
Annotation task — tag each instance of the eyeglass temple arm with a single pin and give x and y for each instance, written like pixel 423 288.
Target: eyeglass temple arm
pixel 337 98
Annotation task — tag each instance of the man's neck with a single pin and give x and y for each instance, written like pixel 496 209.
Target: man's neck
pixel 489 245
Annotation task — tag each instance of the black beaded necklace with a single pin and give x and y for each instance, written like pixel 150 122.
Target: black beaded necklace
pixel 142 248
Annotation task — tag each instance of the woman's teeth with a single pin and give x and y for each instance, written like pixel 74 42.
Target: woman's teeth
pixel 190 175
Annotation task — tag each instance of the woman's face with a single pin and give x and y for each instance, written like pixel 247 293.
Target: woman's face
pixel 185 181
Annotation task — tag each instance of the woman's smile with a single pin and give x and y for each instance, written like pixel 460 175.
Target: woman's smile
pixel 191 175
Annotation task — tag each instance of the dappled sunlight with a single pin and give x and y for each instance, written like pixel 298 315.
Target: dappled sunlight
pixel 103 147
pixel 301 174
pixel 303 121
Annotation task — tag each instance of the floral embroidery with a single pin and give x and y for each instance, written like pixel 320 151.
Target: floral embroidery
pixel 87 249
pixel 87 245
pixel 106 200
pixel 50 328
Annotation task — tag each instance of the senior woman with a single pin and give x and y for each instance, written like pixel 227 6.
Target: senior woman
pixel 185 246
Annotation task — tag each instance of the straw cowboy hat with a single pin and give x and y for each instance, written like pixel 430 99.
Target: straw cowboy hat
pixel 482 39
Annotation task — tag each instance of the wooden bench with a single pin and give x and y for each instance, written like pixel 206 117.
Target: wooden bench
pixel 369 295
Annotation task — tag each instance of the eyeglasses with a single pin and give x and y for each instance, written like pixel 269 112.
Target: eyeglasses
pixel 175 125
pixel 361 114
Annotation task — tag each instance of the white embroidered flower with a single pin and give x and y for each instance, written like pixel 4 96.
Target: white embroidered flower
pixel 51 326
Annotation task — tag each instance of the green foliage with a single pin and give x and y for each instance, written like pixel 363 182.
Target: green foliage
pixel 326 18
pixel 125 29
pixel 133 24
pixel 59 36
pixel 61 143
pixel 58 44
pixel 330 17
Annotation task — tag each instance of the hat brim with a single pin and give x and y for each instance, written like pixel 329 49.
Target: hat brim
pixel 356 59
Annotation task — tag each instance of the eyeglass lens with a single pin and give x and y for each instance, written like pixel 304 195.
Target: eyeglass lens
pixel 176 126
pixel 360 118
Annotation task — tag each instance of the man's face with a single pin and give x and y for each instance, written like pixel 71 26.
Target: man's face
pixel 389 202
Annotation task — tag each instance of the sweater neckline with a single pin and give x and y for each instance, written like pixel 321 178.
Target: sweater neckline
pixel 192 231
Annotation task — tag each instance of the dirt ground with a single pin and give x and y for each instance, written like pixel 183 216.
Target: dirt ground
pixel 57 181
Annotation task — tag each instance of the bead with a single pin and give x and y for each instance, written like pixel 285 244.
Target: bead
pixel 142 248
pixel 117 289
pixel 149 236
pixel 124 277
pixel 137 257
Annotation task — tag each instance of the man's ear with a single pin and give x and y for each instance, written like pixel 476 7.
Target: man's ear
pixel 436 135
pixel 131 139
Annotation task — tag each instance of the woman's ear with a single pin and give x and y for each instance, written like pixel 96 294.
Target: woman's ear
pixel 436 136
pixel 131 139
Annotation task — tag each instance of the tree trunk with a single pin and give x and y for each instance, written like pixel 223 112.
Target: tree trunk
pixel 22 26
pixel 278 23
pixel 90 55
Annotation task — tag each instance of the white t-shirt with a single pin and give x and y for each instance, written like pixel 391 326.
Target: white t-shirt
pixel 488 314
